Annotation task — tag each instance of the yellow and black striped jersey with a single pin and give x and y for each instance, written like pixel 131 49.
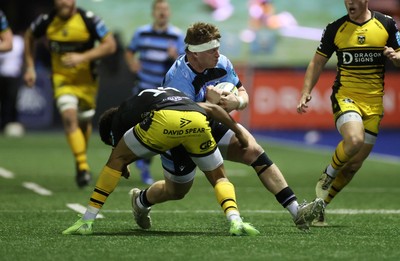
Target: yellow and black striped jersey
pixel 359 50
pixel 139 107
pixel 76 34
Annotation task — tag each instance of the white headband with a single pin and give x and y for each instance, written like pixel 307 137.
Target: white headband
pixel 203 47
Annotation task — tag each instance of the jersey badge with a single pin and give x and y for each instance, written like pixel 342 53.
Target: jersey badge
pixel 361 39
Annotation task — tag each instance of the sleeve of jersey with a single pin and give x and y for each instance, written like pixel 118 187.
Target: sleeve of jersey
pixel 100 27
pixel 181 45
pixel 134 43
pixel 180 81
pixel 3 22
pixel 232 75
pixel 394 36
pixel 327 45
pixel 39 25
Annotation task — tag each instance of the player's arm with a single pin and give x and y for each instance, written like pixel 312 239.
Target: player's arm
pixel 232 102
pixel 30 74
pixel 6 40
pixel 392 55
pixel 311 77
pixel 132 60
pixel 106 47
pixel 227 100
pixel 217 113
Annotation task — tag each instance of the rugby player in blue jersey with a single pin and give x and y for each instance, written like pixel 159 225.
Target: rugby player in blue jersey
pixel 196 73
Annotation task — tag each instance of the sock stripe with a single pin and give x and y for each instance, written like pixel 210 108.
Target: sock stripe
pixel 97 201
pixel 226 200
pixel 230 208
pixel 335 189
pixel 101 192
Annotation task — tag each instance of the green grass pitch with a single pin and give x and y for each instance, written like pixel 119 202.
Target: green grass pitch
pixel 364 219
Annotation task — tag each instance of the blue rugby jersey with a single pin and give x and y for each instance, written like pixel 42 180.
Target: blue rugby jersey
pixel 193 84
pixel 152 47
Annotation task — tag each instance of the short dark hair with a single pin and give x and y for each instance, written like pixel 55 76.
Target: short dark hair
pixel 105 124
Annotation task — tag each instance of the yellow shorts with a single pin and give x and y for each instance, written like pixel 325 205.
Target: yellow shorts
pixel 370 110
pixel 84 89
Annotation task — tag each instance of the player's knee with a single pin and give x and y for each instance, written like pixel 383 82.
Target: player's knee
pixel 252 153
pixel 87 115
pixel 69 121
pixel 353 144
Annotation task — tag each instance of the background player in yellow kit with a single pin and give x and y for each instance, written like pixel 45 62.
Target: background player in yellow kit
pixel 362 40
pixel 72 33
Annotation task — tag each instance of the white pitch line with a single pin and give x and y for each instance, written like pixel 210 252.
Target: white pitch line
pixel 267 211
pixel 5 173
pixel 80 209
pixel 37 188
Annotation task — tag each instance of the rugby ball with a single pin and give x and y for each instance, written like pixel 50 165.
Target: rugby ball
pixel 227 86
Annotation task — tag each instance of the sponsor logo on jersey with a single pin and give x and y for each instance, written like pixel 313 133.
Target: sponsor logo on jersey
pixel 362 57
pixel 183 132
pixel 206 145
pixel 184 122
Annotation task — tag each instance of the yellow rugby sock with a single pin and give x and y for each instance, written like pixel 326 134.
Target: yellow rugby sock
pixel 339 158
pixel 77 143
pixel 337 185
pixel 87 132
pixel 225 192
pixel 106 183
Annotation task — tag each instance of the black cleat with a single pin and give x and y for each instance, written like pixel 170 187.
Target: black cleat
pixel 83 178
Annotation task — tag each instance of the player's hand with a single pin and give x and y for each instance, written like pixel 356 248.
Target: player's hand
pixel 30 77
pixel 390 53
pixel 72 59
pixel 172 52
pixel 134 65
pixel 302 106
pixel 213 95
pixel 228 101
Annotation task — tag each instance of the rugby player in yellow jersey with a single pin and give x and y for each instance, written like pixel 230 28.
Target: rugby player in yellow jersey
pixel 363 40
pixel 151 123
pixel 72 34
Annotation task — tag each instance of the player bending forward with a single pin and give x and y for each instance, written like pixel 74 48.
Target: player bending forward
pixel 150 123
